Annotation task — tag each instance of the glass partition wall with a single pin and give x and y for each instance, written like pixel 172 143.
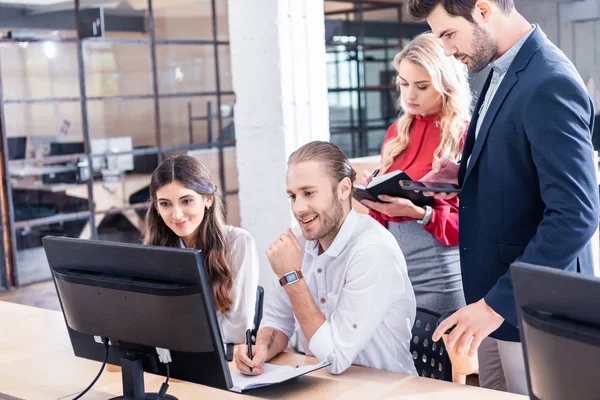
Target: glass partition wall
pixel 361 39
pixel 93 95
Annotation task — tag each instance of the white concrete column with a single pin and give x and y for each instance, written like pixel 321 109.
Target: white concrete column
pixel 279 79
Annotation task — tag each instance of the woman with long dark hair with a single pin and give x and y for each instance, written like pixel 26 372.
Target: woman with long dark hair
pixel 187 211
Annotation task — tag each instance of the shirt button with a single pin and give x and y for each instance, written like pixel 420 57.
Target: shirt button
pixel 355 326
pixel 322 300
pixel 319 270
pixel 495 80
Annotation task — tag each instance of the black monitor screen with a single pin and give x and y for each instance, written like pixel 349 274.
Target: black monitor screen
pixel 141 298
pixel 17 147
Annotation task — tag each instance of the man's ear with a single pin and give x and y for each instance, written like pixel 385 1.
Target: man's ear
pixel 483 11
pixel 344 189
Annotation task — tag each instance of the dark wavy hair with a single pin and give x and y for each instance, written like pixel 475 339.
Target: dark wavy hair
pixel 420 9
pixel 190 173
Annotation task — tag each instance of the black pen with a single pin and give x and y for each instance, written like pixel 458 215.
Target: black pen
pixel 375 173
pixel 249 344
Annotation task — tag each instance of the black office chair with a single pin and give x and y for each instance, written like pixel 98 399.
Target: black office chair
pixel 431 359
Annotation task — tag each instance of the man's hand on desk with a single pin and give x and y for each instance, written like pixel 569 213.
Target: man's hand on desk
pixel 473 322
pixel 243 363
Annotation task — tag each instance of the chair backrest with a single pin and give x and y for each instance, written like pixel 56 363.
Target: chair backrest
pixel 431 359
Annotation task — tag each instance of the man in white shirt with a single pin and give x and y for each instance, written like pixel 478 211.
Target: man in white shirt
pixel 343 285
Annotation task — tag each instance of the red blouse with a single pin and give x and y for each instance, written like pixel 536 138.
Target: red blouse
pixel 416 161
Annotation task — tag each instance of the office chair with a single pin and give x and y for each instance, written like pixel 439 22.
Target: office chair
pixel 431 359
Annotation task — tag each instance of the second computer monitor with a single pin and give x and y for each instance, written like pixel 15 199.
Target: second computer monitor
pixel 559 319
pixel 104 157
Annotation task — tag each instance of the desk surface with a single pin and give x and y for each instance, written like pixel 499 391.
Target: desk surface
pixel 37 362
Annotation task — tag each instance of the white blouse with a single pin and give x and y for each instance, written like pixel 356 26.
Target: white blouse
pixel 243 260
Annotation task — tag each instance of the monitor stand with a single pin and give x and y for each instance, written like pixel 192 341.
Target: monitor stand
pixel 133 381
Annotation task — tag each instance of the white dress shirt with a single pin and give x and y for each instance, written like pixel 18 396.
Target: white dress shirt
pixel 243 261
pixel 361 286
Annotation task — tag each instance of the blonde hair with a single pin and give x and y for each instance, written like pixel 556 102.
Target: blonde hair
pixel 450 79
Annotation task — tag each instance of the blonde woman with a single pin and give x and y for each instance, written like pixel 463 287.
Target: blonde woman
pixel 435 99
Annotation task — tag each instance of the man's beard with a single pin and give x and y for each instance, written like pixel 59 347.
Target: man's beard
pixel 484 50
pixel 330 221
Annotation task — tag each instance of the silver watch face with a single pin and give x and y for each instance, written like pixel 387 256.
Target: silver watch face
pixel 291 277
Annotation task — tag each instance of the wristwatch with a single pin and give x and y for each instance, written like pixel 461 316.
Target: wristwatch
pixel 427 216
pixel 291 277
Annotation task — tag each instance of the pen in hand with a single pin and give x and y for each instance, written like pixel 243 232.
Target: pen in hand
pixel 249 344
pixel 375 173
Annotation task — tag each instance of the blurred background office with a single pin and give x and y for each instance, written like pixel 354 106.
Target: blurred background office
pixel 94 93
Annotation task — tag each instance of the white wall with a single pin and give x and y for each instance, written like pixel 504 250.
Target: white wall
pixel 278 68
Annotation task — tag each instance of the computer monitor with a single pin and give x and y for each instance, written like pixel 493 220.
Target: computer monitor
pixel 596 132
pixel 75 173
pixel 559 319
pixel 40 144
pixel 65 148
pixel 141 298
pixel 103 157
pixel 17 147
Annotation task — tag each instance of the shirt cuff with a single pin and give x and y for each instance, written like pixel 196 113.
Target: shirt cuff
pixel 321 344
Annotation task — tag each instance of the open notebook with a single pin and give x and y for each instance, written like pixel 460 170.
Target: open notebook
pixel 273 374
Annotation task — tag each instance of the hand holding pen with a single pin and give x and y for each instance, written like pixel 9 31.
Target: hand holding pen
pixel 249 359
pixel 368 177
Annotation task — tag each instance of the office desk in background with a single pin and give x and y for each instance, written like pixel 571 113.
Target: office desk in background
pixel 108 195
pixel 37 362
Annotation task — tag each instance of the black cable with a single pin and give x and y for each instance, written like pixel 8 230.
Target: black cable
pixel 105 340
pixel 165 386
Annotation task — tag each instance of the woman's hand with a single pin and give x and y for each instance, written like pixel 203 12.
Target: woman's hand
pixel 396 207
pixel 366 178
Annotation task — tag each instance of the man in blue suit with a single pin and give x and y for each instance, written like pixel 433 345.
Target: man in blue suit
pixel 529 190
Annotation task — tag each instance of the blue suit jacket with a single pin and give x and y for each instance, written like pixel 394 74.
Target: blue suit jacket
pixel 529 192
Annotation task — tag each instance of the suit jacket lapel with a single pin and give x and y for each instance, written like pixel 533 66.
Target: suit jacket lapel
pixel 503 90
pixel 470 139
pixel 531 45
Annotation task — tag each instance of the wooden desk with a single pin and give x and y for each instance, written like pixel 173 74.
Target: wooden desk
pixel 37 362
